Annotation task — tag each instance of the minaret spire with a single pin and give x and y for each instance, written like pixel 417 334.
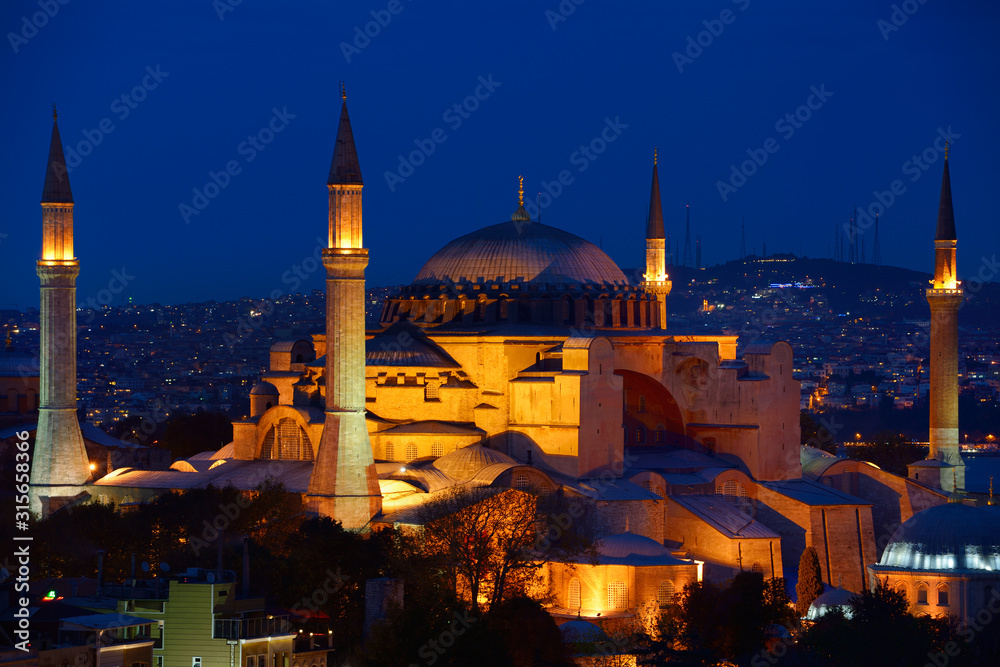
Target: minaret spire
pixel 60 462
pixel 945 298
pixel 655 280
pixel 344 483
pixel 687 238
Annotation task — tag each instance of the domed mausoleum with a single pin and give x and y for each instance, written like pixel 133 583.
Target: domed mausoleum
pixel 946 559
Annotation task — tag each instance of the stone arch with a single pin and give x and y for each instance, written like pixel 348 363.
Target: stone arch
pixel 276 425
pixel 649 404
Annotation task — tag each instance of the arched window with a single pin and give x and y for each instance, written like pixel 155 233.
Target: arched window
pixel 640 435
pixel 661 433
pixel 642 404
pixel 901 588
pixel 390 452
pixel 431 391
pixel 520 481
pixel 287 441
pixel 666 593
pixel 943 591
pixel 756 567
pixel 729 490
pixel 617 595
pixel 573 600
pixel 921 593
pixel 411 451
pixel 437 449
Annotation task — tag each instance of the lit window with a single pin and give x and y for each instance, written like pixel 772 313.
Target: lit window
pixel 520 481
pixel 617 595
pixel 431 391
pixel 921 593
pixel 640 435
pixel 411 451
pixel 661 433
pixel 437 449
pixel 943 591
pixel 666 593
pixel 574 594
pixel 390 452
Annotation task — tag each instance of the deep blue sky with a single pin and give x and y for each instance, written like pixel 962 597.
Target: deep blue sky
pixel 556 88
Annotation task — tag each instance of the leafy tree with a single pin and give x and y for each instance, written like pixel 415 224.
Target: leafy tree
pixel 482 538
pixel 810 584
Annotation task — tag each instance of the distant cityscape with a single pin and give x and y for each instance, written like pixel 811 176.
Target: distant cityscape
pixel 154 360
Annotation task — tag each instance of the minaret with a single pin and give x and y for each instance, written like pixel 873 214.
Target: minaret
pixel 655 280
pixel 945 298
pixel 59 463
pixel 687 238
pixel 344 484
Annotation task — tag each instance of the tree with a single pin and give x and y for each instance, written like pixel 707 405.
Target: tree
pixel 810 584
pixel 482 537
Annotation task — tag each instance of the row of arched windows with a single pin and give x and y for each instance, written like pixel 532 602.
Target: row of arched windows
pixel 411 452
pixel 942 593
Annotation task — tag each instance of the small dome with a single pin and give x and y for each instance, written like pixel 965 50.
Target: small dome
pixel 946 537
pixel 574 632
pixel 264 389
pixel 830 599
pixel 627 545
pixel 465 462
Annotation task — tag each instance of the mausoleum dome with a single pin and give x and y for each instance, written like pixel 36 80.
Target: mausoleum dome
pixel 946 537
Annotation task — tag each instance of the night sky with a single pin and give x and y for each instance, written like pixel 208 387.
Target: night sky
pixel 200 78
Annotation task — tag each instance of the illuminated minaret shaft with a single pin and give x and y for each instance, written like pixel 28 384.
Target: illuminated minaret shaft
pixel 59 462
pixel 344 484
pixel 945 298
pixel 655 280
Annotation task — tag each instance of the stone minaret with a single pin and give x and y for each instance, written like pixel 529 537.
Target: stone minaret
pixel 344 484
pixel 945 298
pixel 655 280
pixel 59 464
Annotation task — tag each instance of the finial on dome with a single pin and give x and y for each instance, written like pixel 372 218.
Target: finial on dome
pixel 520 190
pixel 520 215
pixel 955 496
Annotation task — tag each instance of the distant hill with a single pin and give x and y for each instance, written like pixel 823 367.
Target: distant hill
pixel 887 292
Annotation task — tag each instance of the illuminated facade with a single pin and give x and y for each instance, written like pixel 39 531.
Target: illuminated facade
pixel 60 463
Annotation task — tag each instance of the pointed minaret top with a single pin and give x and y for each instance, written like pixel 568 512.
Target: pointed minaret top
pixel 344 169
pixel 56 189
pixel 946 215
pixel 654 222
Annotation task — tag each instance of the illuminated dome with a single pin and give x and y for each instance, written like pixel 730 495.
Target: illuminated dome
pixel 465 462
pixel 946 537
pixel 632 549
pixel 521 252
pixel 832 598
pixel 522 272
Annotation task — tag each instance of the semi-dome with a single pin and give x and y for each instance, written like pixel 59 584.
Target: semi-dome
pixel 945 538
pixel 465 462
pixel 521 251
